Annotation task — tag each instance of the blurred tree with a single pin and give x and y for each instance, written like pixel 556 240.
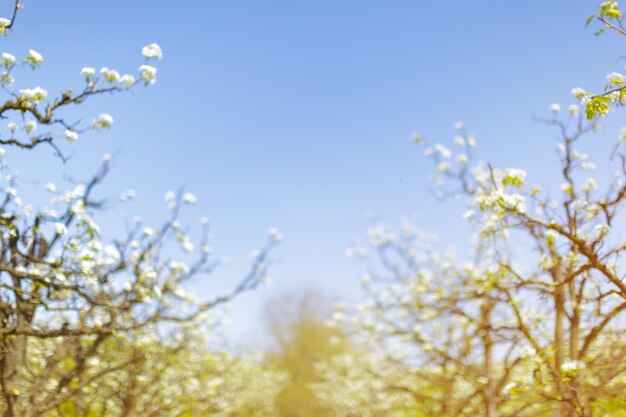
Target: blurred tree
pixel 303 341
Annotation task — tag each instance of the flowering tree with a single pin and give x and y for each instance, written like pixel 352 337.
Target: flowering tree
pixel 614 94
pixel 178 376
pixel 67 293
pixel 534 325
pixel 575 256
pixel 361 383
pixel 441 325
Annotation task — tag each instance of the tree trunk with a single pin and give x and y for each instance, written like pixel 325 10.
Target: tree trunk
pixel 11 366
pixel 491 397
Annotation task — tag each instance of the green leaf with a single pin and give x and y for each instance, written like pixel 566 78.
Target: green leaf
pixel 614 13
pixel 589 19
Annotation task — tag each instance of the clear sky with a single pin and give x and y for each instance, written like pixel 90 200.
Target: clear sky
pixel 298 114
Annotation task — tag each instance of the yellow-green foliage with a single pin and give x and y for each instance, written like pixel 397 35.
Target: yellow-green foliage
pixel 303 340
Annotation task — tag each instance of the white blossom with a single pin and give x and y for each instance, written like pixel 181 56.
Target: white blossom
pixel 590 185
pixel 443 151
pixel 110 75
pixel 103 121
pixel 34 57
pixel 30 126
pixel 179 267
pixel 275 234
pixel 169 196
pixel 578 92
pixel 8 58
pixel 571 366
pixel 152 51
pixel 443 166
pixel 148 73
pixel 601 230
pixel 567 188
pixel 34 94
pixel 71 135
pixel 189 198
pixel 187 246
pixel 60 228
pixel 615 78
pixel 127 80
pixel 88 72
pixel 514 176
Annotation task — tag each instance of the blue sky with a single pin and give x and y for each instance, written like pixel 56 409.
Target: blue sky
pixel 298 114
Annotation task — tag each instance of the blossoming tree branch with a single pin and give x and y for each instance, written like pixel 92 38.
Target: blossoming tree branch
pixel 533 324
pixel 68 294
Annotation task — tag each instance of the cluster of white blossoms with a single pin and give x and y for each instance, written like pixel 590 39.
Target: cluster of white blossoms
pixel 121 298
pixel 534 321
pixel 418 312
pixel 34 58
pixel 181 374
pixel 88 72
pixel 380 235
pixel 34 95
pixel 104 121
pixel 148 73
pixel 599 105
pixel 30 126
pixel 152 51
pixel 275 235
pixel 572 109
pixel 71 135
pixel 8 60
pixel 410 317
pixel 106 79
pixel 578 93
pixel 189 198
pixel 572 367
pixel 499 196
pixel 109 74
pixel 358 381
pixel 94 256
pixel 444 157
pixel 514 177
pixel 615 79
